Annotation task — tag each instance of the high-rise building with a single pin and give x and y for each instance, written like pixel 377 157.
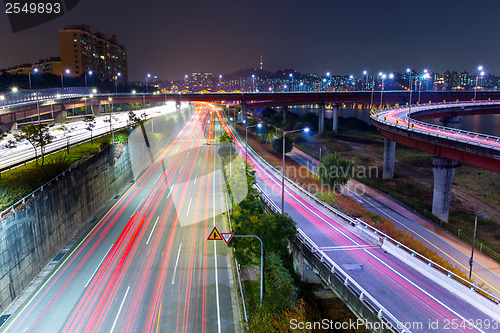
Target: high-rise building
pixel 83 51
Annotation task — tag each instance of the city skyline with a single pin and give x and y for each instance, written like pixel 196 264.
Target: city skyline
pixel 222 37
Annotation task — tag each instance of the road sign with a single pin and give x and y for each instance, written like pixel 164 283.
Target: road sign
pixel 226 236
pixel 214 235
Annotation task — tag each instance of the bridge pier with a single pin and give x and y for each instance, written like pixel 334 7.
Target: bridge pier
pixel 321 127
pixel 389 156
pixel 284 110
pixel 335 117
pixel 443 170
pixel 60 117
pixel 96 110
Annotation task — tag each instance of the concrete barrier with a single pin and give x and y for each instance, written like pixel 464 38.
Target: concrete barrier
pixel 35 232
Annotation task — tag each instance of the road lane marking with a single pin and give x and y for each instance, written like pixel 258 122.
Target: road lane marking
pixel 216 269
pixel 158 323
pixel 168 195
pixel 139 205
pixel 97 268
pixel 195 177
pixel 177 262
pixel 189 206
pixel 151 234
pixel 119 310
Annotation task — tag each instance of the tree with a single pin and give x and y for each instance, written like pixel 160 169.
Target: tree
pixel 90 122
pixel 37 135
pixel 278 145
pixel 225 138
pixel 335 171
pixel 66 134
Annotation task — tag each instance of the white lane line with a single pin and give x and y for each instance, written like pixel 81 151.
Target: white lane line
pixel 151 234
pixel 139 205
pixel 168 195
pixel 98 266
pixel 195 177
pixel 119 310
pixel 176 262
pixel 216 268
pixel 189 206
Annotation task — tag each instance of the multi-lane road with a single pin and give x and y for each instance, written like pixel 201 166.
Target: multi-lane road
pixel 75 132
pixel 146 266
pixel 445 247
pixel 410 296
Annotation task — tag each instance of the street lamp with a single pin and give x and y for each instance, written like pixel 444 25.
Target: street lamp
pixel 185 81
pixel 147 77
pixel 67 71
pixel 116 82
pixel 365 73
pixel 480 69
pixel 220 80
pixel 471 260
pixel 253 82
pixel 391 76
pixel 410 89
pixel 301 86
pixel 305 130
pixel 291 79
pixel 89 73
pixel 425 76
pixel 35 71
pixel 259 125
pixel 14 89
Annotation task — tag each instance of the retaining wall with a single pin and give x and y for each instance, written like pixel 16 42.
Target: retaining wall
pixel 34 232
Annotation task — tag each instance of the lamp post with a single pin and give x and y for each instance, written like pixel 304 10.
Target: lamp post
pixel 471 260
pixel 373 90
pixel 253 82
pixel 185 81
pixel 365 73
pixel 35 71
pixel 291 83
pixel 480 69
pixel 305 130
pixel 89 73
pixel 147 77
pixel 383 76
pixel 259 125
pixel 116 82
pixel 410 89
pixel 67 71
pixel 220 81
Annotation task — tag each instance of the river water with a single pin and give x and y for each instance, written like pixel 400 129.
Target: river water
pixel 486 124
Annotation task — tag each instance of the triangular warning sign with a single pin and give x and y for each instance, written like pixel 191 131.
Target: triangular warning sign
pixel 226 236
pixel 214 235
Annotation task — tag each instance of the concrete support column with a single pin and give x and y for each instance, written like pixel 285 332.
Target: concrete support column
pixel 389 155
pixel 443 170
pixel 335 117
pixel 178 106
pixel 60 117
pixel 97 110
pixel 243 111
pixel 321 127
pixel 284 110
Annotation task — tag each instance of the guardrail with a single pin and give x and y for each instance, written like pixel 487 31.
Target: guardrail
pixel 342 277
pixel 27 96
pixel 472 286
pixel 377 116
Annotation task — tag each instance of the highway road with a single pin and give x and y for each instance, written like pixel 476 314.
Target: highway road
pixel 146 265
pixel 405 292
pixel 24 151
pixel 441 246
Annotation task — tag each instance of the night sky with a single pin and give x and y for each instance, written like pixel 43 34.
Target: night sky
pixel 172 38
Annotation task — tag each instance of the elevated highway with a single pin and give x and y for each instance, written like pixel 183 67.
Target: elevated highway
pixel 16 110
pixel 404 125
